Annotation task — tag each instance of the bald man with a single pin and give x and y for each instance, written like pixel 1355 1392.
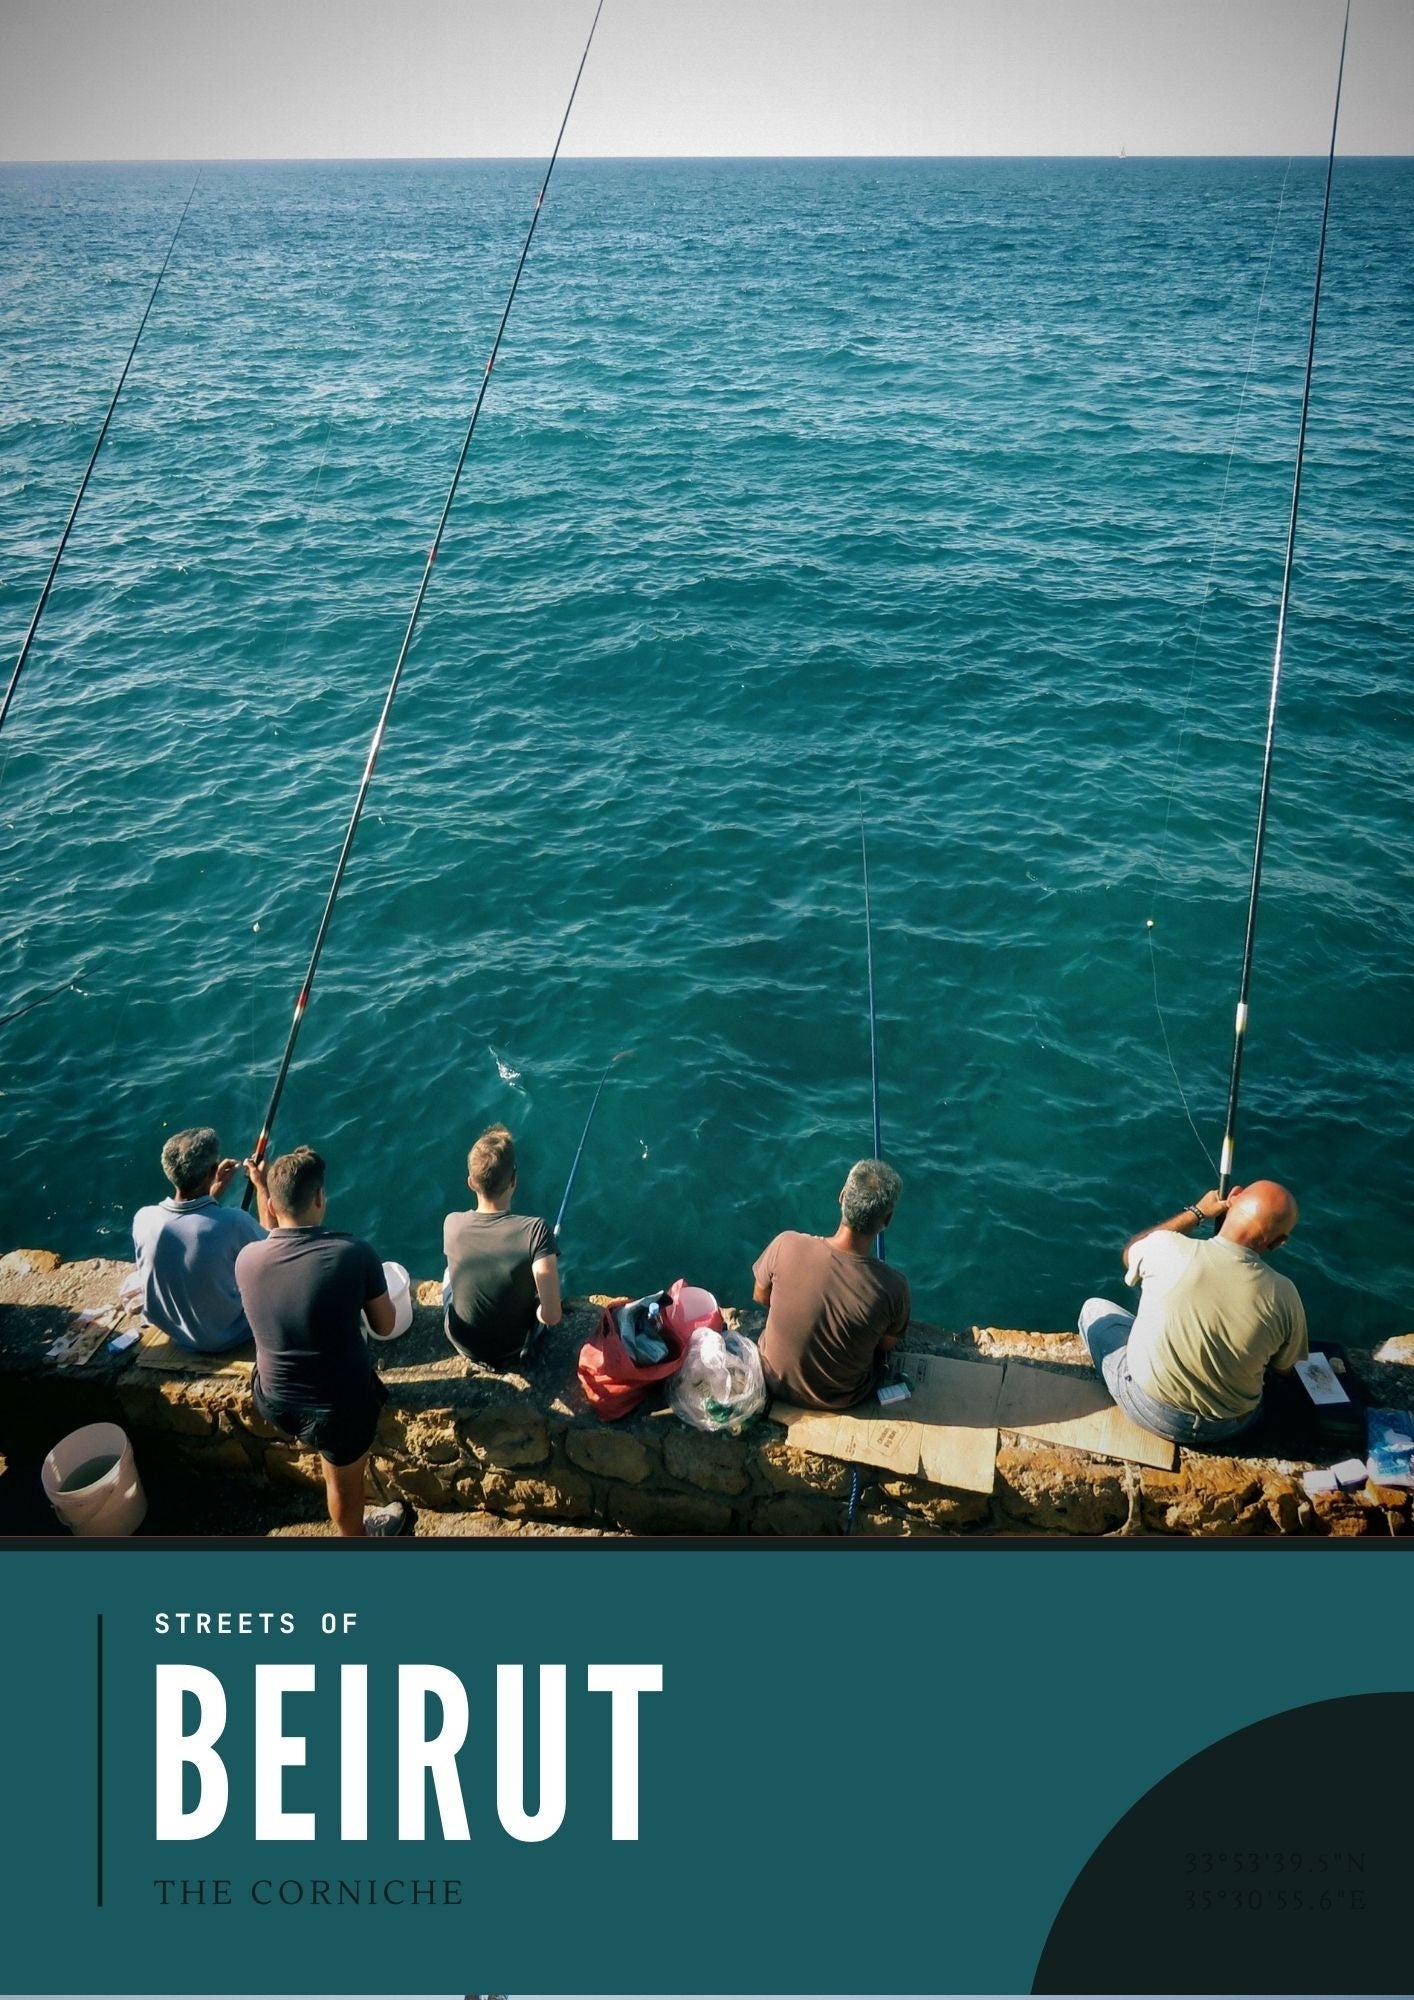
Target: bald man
pixel 1191 1364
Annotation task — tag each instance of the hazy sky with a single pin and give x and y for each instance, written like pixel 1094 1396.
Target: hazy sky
pixel 286 79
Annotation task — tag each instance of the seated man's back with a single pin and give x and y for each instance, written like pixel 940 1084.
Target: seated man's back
pixel 829 1312
pixel 1191 1364
pixel 490 1261
pixel 1212 1319
pixel 186 1249
pixel 502 1269
pixel 833 1306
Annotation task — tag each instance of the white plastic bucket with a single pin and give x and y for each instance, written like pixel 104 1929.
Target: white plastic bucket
pixel 112 1501
pixel 400 1292
pixel 689 1307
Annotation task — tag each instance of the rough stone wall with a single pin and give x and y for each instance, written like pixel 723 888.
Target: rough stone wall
pixel 453 1438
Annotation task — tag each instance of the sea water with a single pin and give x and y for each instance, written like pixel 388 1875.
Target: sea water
pixel 957 489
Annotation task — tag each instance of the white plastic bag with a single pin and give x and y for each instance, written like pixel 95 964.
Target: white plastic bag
pixel 720 1386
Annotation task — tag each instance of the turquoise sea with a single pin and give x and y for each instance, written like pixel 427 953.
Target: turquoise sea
pixel 957 486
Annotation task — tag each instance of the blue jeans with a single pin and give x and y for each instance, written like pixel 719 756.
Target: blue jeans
pixel 1105 1329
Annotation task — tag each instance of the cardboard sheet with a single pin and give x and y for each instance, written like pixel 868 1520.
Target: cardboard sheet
pixel 158 1352
pixel 945 1432
pixel 1077 1410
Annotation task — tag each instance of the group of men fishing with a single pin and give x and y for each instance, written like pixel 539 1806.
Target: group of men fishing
pixel 1190 1364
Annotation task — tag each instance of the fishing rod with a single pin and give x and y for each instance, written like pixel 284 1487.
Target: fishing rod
pixel 43 999
pixel 873 1022
pixel 1264 795
pixel 376 744
pixel 28 639
pixel 852 1504
pixel 622 1056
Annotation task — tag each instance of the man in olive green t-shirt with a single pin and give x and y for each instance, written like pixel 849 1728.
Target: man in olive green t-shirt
pixel 1213 1318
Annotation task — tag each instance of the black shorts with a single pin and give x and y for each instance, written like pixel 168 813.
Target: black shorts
pixel 499 1352
pixel 339 1432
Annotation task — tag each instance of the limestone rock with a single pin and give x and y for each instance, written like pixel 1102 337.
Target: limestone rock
pixel 140 1404
pixel 610 1454
pixel 787 1471
pixel 175 1411
pixel 708 1459
pixel 392 1432
pixel 432 1437
pixel 507 1436
pixel 286 1465
pixel 218 1454
pixel 936 1505
pixel 1347 1522
pixel 1060 1491
pixel 1001 1343
pixel 29 1263
pixel 1211 1496
pixel 796 1514
pixel 423 1483
pixel 644 1512
pixel 563 1498
pixel 1283 1503
pixel 882 1522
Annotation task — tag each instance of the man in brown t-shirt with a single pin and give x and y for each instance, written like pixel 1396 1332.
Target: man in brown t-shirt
pixel 835 1308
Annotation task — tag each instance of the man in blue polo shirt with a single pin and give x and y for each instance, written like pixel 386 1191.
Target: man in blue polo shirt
pixel 186 1248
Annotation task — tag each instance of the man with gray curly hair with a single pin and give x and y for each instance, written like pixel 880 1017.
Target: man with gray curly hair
pixel 834 1308
pixel 186 1248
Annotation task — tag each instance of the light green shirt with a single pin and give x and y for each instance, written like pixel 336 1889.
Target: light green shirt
pixel 1212 1319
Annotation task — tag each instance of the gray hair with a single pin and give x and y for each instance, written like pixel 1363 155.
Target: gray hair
pixel 870 1196
pixel 190 1157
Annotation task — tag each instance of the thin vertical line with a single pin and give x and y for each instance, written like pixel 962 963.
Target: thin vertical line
pixel 100 1760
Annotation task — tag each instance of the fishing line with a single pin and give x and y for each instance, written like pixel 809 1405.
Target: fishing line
pixel 622 1056
pixel 375 745
pixel 1168 1051
pixel 1239 1036
pixel 28 640
pixel 1162 856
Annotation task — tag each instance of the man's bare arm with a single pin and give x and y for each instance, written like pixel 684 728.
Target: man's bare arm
pixel 255 1174
pixel 380 1314
pixel 1211 1208
pixel 546 1273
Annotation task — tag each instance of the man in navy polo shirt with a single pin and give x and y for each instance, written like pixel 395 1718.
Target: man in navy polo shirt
pixel 307 1290
pixel 186 1248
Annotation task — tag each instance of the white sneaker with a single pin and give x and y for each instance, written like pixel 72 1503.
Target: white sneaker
pixel 393 1519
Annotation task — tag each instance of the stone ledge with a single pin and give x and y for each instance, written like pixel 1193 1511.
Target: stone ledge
pixel 455 1439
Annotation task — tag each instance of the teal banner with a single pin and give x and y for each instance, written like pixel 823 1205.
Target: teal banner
pixel 866 1770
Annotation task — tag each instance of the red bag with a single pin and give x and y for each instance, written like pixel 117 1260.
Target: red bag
pixel 614 1383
